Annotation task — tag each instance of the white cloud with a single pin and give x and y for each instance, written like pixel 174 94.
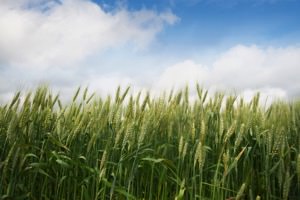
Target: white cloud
pixel 243 69
pixel 267 95
pixel 43 34
pixel 39 35
pixel 181 74
pixel 107 84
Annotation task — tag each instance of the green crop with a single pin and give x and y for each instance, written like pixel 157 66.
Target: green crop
pixel 140 147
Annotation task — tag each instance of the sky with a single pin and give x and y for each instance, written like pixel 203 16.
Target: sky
pixel 237 46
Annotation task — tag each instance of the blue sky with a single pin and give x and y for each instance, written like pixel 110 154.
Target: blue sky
pixel 234 45
pixel 206 23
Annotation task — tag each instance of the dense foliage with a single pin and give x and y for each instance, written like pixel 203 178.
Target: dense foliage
pixel 148 148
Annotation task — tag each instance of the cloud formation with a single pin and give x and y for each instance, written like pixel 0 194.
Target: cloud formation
pixel 42 34
pixel 40 40
pixel 242 69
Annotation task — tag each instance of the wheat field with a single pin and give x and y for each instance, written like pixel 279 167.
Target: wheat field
pixel 142 147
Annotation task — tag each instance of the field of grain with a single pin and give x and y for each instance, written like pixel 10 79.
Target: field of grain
pixel 165 147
